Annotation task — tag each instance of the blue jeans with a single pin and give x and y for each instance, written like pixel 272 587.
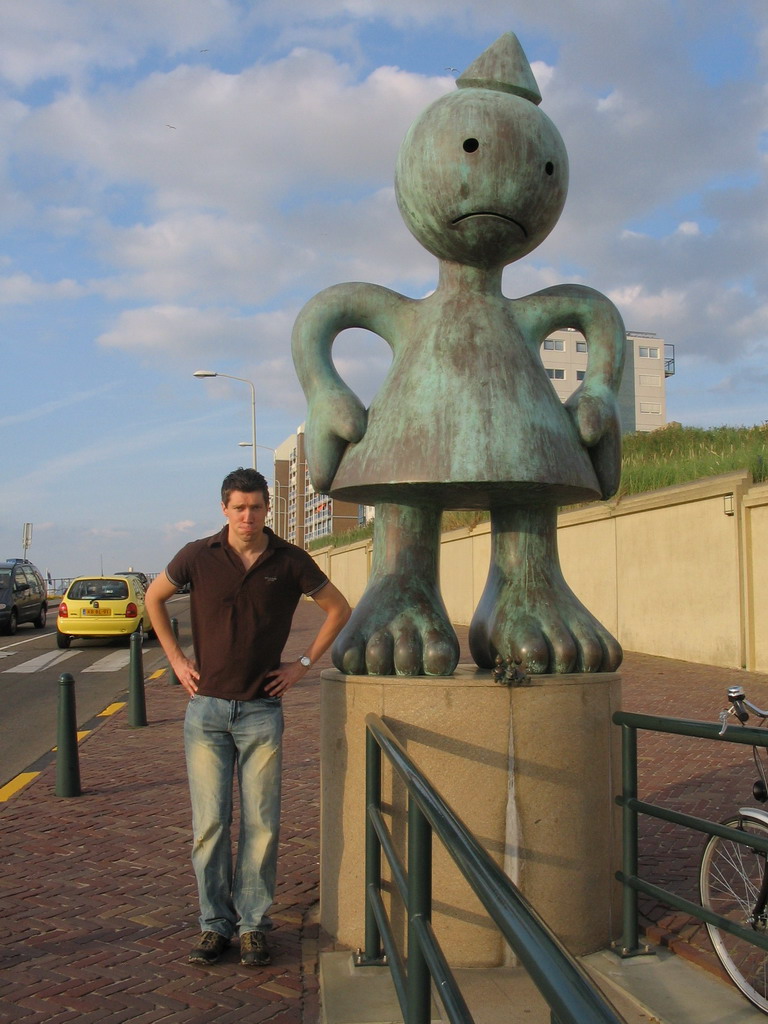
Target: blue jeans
pixel 220 735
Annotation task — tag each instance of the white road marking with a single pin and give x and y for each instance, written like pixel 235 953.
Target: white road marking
pixel 110 663
pixel 42 661
pixel 29 640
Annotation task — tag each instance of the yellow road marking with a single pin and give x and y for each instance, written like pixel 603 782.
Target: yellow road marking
pixel 111 710
pixel 21 780
pixel 80 736
pixel 156 675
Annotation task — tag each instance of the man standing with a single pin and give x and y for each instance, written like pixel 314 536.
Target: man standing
pixel 245 584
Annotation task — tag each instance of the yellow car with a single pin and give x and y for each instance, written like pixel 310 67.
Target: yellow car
pixel 101 606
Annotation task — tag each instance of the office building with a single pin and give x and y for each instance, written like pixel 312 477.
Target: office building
pixel 301 514
pixel 642 395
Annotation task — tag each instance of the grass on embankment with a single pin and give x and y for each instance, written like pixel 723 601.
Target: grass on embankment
pixel 660 458
pixel 676 455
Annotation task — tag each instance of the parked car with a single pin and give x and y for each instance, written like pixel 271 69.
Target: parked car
pixel 140 576
pixel 23 595
pixel 101 607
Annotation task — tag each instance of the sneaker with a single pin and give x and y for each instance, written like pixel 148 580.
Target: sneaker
pixel 254 951
pixel 209 948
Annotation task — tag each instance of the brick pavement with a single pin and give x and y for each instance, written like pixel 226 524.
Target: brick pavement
pixel 98 899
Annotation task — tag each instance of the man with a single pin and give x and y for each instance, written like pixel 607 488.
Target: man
pixel 245 584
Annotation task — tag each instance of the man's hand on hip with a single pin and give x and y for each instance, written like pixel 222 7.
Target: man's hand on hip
pixel 283 678
pixel 186 673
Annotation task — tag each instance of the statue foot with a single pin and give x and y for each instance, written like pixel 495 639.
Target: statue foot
pixel 527 611
pixel 549 631
pixel 397 629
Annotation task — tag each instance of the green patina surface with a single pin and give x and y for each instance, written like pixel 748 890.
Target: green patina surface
pixel 467 417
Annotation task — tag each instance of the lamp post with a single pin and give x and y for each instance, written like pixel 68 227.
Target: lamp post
pixel 276 514
pixel 243 380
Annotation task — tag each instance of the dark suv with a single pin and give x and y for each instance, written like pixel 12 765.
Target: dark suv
pixel 23 595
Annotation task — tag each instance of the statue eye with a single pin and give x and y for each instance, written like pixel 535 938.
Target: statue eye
pixel 471 145
pixel 549 167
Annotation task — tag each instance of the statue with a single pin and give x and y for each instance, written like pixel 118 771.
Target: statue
pixel 467 417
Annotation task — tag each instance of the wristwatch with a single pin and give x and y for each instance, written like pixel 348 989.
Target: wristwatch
pixel 305 661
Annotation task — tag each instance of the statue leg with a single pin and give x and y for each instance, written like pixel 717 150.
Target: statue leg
pixel 528 611
pixel 400 625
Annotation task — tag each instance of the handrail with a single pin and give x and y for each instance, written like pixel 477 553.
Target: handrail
pixel 633 885
pixel 565 986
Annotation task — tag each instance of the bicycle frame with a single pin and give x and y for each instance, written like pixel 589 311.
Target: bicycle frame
pixel 758 910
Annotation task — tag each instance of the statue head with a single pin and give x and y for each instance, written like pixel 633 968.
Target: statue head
pixel 482 174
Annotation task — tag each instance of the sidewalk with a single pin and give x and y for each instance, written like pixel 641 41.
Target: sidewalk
pixel 98 898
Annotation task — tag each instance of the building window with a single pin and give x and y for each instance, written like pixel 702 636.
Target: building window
pixel 555 344
pixel 648 352
pixel 581 346
pixel 555 374
pixel 581 374
pixel 650 407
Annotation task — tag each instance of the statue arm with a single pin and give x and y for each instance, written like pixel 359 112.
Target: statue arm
pixel 335 415
pixel 593 405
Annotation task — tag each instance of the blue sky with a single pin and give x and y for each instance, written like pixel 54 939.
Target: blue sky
pixel 180 176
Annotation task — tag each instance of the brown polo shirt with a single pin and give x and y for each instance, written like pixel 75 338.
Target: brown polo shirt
pixel 241 619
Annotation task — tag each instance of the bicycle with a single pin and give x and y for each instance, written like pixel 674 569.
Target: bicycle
pixel 733 878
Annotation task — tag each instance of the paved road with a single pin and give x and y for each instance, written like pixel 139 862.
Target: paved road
pixel 31 665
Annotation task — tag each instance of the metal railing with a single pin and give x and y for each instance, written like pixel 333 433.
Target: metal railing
pixel 565 986
pixel 633 885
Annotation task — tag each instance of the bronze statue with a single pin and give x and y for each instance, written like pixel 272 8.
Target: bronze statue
pixel 467 417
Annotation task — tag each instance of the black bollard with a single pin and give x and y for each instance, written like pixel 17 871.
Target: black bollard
pixel 175 628
pixel 137 708
pixel 67 758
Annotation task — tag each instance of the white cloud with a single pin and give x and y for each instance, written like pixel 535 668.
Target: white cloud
pixel 191 332
pixel 240 142
pixel 21 288
pixel 183 526
pixel 641 308
pixel 55 40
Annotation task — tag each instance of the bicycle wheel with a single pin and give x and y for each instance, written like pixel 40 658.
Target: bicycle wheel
pixel 730 878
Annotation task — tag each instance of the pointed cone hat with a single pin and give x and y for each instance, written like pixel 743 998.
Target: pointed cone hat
pixel 504 67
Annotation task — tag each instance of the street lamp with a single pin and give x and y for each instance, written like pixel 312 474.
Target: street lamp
pixel 276 512
pixel 243 380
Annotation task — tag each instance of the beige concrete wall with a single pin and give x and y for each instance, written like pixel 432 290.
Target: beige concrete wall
pixel 755 561
pixel 464 559
pixel 349 568
pixel 586 541
pixel 679 575
pixel 669 572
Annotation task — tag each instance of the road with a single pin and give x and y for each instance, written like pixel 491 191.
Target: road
pixel 30 668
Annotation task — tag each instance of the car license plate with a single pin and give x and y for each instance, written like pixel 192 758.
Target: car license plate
pixel 97 611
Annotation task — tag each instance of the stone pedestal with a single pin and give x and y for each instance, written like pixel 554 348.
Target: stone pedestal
pixel 532 771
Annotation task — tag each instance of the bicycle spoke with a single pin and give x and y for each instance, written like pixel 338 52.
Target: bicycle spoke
pixel 730 882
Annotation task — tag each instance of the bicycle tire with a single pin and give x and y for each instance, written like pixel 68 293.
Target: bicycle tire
pixel 730 877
